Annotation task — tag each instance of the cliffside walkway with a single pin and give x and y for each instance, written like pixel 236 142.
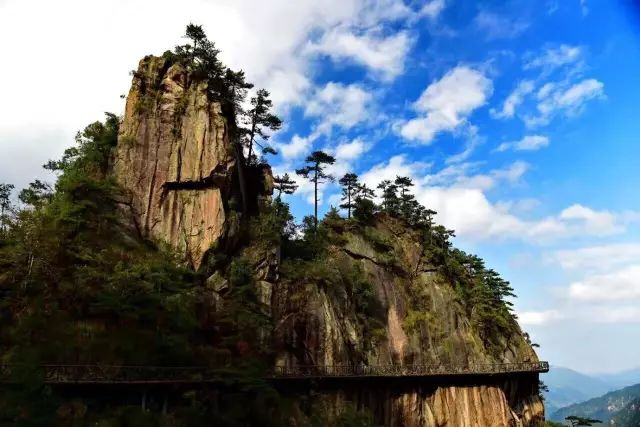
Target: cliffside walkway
pixel 111 374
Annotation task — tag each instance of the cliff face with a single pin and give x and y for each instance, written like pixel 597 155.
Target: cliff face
pixel 411 317
pixel 175 159
pixel 377 300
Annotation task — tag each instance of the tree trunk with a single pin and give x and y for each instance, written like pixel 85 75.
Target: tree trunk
pixel 241 181
pixel 252 136
pixel 315 182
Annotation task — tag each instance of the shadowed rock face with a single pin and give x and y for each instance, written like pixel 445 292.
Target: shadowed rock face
pixel 175 160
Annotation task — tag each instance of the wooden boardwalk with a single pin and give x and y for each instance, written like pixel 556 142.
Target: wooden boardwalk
pixel 116 374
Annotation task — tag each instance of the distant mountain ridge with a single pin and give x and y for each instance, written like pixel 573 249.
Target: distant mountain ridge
pixel 621 405
pixel 620 379
pixel 567 387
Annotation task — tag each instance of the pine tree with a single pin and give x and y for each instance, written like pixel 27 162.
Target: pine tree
pixel 350 190
pixel 365 192
pixel 258 119
pixel 38 192
pixel 407 201
pixel 314 171
pixel 284 184
pixel 390 201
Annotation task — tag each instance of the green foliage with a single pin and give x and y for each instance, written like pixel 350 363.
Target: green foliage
pixel 5 203
pixel 415 318
pixel 314 172
pixel 37 193
pixel 581 421
pixel 348 416
pixel 378 240
pixel 284 184
pixel 312 245
pixel 257 120
pixel 273 224
pixel 364 210
pixel 76 287
pixel 350 189
pixel 390 200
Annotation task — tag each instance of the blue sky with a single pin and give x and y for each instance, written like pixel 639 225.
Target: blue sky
pixel 517 121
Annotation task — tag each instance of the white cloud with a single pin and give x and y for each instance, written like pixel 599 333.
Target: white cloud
pixel 339 105
pixel 516 98
pixel 569 101
pixel 537 318
pixel 579 93
pixel 620 285
pixel 432 9
pixel 458 175
pixel 604 257
pixel 397 166
pixel 296 148
pixel 545 90
pixel 624 314
pixel 528 143
pixel 456 191
pixel 113 45
pixel 446 103
pixel 385 55
pixel 495 26
pixel 599 223
pixel 554 57
pixel 350 150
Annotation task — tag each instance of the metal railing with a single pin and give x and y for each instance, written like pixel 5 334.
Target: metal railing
pixel 113 374
pixel 407 370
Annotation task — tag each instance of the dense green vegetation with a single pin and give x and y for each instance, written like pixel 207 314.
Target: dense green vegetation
pixel 76 287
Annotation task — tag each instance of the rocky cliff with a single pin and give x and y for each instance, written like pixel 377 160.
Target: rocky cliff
pixel 377 300
pixel 375 297
pixel 175 159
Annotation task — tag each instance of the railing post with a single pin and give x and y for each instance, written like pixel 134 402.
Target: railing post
pixel 143 403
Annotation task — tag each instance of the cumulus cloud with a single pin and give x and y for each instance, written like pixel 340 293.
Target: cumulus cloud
pixel 297 147
pixel 385 55
pixel 537 318
pixel 603 257
pixel 528 143
pixel 516 98
pixel 339 105
pixel 446 103
pixel 396 166
pixel 621 285
pixel 599 223
pixel 348 151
